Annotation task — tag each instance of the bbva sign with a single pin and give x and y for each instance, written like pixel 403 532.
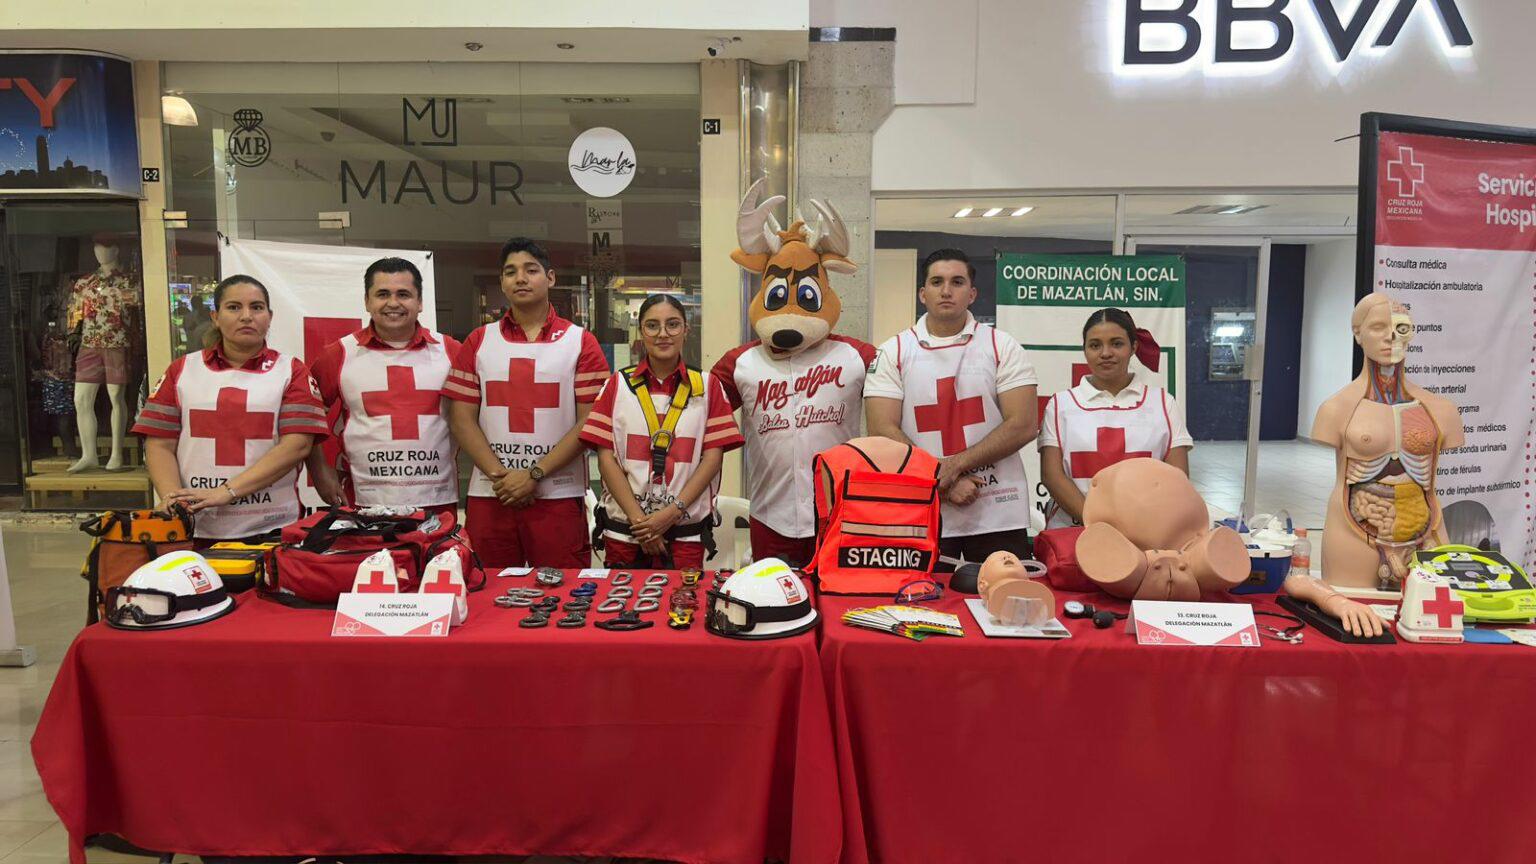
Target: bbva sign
pixel 1343 33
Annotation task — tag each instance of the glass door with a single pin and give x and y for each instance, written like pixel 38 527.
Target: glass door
pixel 74 362
pixel 1226 315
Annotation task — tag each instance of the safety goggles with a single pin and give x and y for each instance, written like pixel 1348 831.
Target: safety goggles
pixel 732 616
pixel 145 606
pixel 918 590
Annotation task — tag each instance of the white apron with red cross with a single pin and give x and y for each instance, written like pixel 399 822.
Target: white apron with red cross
pixel 950 404
pixel 527 404
pixel 396 438
pixel 1093 439
pixel 228 421
pixel 632 446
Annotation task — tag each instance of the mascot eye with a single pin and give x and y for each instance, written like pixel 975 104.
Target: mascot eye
pixel 809 295
pixel 777 296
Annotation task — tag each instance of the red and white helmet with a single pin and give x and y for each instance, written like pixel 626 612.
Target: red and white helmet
pixel 764 600
pixel 177 589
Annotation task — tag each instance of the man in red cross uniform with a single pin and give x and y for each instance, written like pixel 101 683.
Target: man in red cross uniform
pixel 966 394
pixel 521 387
pixel 382 387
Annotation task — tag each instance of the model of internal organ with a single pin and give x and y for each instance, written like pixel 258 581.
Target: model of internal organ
pixel 1148 536
pixel 1389 433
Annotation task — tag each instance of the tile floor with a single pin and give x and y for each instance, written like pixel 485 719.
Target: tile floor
pixel 1296 476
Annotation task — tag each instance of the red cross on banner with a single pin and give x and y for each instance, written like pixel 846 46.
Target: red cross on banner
pixel 1406 173
pixel 949 416
pixel 1444 607
pixel 1086 463
pixel 1079 372
pixel 375 583
pixel 638 449
pixel 402 403
pixel 520 394
pixel 440 582
pixel 230 425
pixel 320 332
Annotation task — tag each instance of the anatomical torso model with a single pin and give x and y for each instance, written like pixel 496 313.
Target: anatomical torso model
pixel 1389 434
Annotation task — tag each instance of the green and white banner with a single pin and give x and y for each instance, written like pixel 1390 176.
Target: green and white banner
pixel 1044 300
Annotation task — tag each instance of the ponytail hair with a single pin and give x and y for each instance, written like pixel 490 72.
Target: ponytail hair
pixel 213 337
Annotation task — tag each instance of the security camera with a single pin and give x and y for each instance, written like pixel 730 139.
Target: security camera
pixel 712 51
pixel 327 137
pixel 716 47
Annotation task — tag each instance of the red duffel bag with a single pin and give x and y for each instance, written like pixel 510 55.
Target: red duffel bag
pixel 318 556
pixel 1057 550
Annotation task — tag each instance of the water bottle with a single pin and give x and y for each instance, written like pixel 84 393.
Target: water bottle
pixel 1301 554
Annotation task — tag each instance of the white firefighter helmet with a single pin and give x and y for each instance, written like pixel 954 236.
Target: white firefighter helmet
pixel 175 590
pixel 764 600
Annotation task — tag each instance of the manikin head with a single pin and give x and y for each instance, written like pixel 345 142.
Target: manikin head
pixel 1382 328
pixel 106 254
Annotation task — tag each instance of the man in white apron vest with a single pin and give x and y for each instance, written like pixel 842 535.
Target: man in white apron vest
pixel 966 394
pixel 382 387
pixel 521 388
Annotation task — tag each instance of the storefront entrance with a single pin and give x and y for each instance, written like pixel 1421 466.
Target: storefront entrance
pixel 71 294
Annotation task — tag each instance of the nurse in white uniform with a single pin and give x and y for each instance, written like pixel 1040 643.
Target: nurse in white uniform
pixel 1113 414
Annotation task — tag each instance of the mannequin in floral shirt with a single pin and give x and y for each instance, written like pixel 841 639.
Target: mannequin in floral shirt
pixel 105 304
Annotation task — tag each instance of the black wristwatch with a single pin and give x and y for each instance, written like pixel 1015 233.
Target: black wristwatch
pixel 536 473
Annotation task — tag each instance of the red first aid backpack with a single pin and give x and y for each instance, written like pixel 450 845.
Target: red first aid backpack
pixel 317 560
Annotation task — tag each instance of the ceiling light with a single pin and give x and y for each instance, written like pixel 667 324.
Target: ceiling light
pixel 564 46
pixel 177 111
pixel 963 212
pixel 577 100
pixel 1021 211
pixel 615 100
pixel 991 212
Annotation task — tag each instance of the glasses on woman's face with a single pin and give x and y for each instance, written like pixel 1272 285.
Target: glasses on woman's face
pixel 672 326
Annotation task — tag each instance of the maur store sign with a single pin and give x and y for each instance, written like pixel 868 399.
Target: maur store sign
pixel 1162 33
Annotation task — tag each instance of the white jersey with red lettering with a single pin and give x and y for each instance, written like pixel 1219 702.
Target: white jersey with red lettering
pixel 793 407
pixel 950 404
pixel 396 436
pixel 632 442
pixel 1092 439
pixel 225 429
pixel 527 404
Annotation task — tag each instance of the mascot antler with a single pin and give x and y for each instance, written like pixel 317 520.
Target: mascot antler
pixel 756 229
pixel 830 238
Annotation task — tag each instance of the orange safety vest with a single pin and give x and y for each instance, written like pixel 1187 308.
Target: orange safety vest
pixel 875 530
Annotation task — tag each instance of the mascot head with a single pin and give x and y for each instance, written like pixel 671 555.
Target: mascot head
pixel 795 308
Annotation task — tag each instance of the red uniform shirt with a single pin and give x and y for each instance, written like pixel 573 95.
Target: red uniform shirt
pixel 301 411
pixel 721 432
pixel 591 366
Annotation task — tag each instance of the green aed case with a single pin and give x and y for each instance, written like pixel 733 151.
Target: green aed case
pixel 1490 587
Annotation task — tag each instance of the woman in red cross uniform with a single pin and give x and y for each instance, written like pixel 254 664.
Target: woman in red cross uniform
pixel 1114 413
pixel 659 489
pixel 226 428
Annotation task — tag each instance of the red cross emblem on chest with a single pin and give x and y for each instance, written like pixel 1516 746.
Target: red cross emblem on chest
pixel 230 425
pixel 1443 607
pixel 638 449
pixel 402 403
pixel 521 395
pixel 1086 463
pixel 949 416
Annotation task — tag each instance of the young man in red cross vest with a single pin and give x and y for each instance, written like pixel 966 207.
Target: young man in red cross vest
pixel 382 387
pixel 966 394
pixel 521 388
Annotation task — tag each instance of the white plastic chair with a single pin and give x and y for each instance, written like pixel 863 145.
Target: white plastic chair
pixel 733 539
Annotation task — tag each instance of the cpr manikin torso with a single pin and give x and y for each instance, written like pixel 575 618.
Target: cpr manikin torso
pixel 1389 434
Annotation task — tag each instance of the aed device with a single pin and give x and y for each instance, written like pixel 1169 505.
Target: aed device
pixel 1492 588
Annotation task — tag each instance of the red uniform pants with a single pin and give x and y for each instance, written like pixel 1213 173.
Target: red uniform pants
pixel 685 553
pixel 768 543
pixel 550 532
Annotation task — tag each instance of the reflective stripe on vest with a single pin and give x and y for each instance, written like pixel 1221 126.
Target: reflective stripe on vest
pixel 875 529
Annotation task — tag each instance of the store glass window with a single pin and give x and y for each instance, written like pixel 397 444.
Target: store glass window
pixel 75 371
pixel 453 159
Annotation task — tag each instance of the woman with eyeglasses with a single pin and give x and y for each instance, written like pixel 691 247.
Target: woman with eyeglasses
pixel 661 430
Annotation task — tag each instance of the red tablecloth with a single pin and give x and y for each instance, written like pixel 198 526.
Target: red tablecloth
pixel 1096 749
pixel 259 734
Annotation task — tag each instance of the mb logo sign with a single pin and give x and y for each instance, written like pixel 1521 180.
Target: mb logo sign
pixel 1172 32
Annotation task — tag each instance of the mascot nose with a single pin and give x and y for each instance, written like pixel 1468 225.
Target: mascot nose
pixel 787 338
